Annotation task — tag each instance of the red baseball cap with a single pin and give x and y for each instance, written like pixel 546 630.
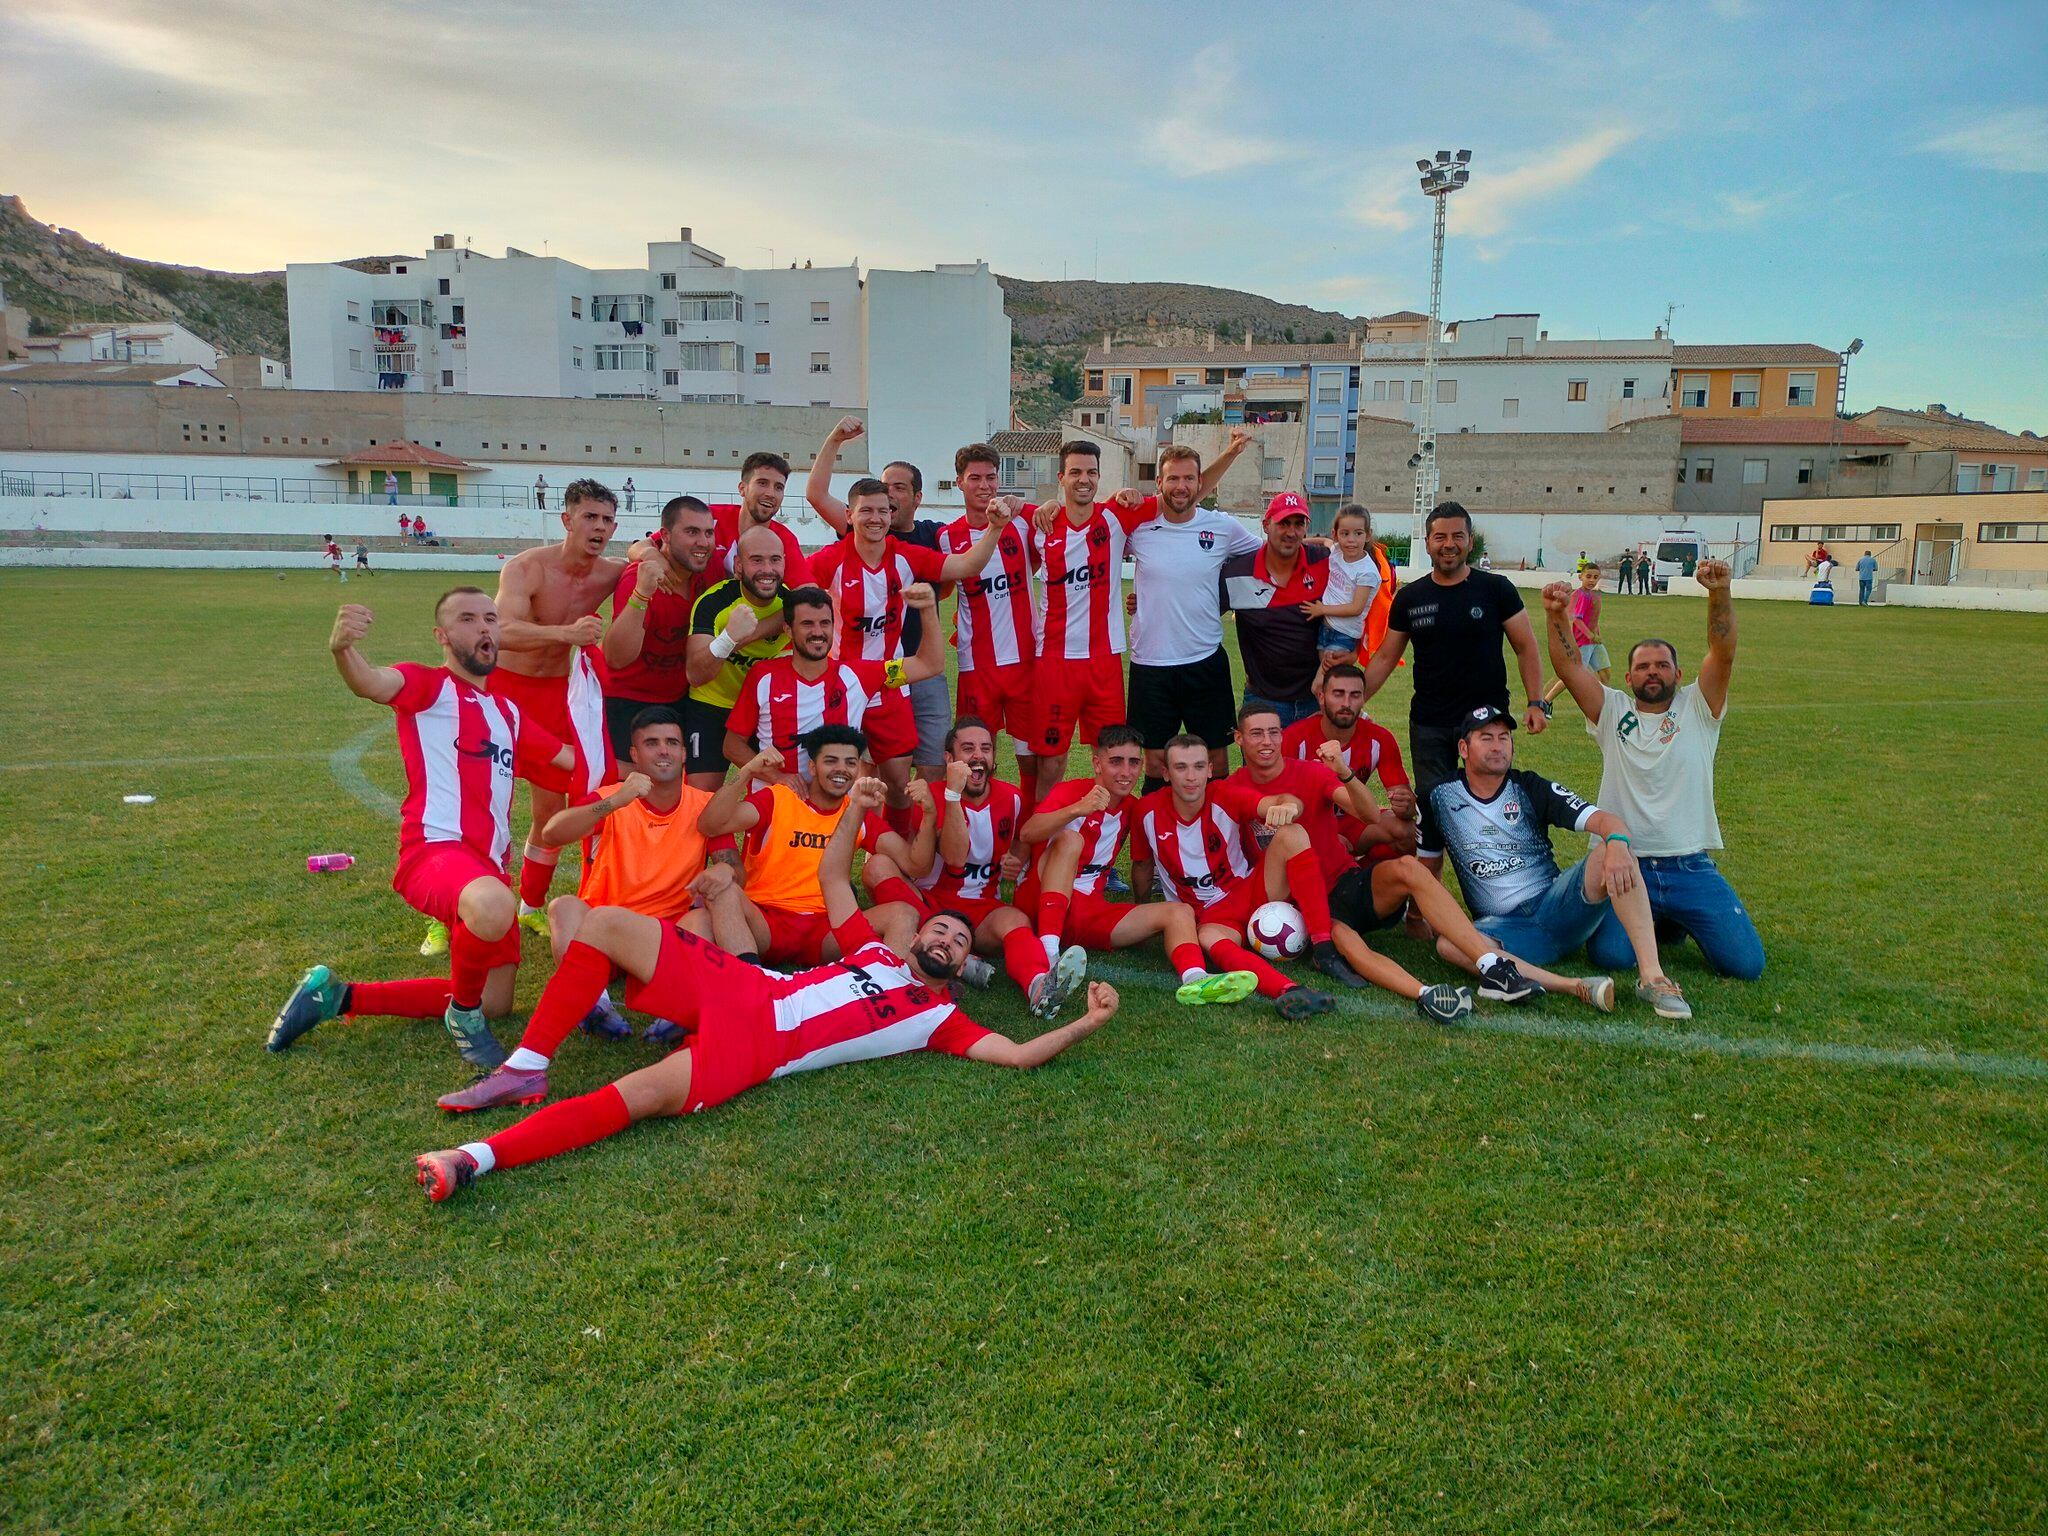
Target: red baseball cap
pixel 1286 504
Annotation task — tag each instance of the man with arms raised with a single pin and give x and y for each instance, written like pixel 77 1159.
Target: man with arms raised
pixel 461 746
pixel 547 602
pixel 734 625
pixel 1658 742
pixel 1197 834
pixel 1078 831
pixel 647 648
pixel 1369 750
pixel 1457 618
pixel 995 613
pixel 751 1025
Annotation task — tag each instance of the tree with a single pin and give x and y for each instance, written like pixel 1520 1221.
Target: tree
pixel 1064 377
pixel 1288 334
pixel 1329 338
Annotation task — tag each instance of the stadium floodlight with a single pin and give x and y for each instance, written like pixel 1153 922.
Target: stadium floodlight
pixel 1464 157
pixel 1439 180
pixel 1422 165
pixel 1853 348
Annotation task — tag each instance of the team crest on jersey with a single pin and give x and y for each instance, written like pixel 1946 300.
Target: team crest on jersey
pixel 1206 539
pixel 1478 613
pixel 1512 811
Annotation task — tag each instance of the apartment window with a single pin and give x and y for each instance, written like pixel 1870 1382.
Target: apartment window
pixel 1415 391
pixel 1515 344
pixel 1755 471
pixel 1329 391
pixel 1510 408
pixel 447 378
pixel 821 312
pixel 1379 389
pixel 696 308
pixel 711 356
pixel 1628 389
pixel 1575 389
pixel 355 312
pixel 400 270
pixel 441 286
pixel 668 280
pixel 2012 533
pixel 1446 391
pixel 627 359
pixel 1120 388
pixel 760 314
pixel 1692 391
pixel 671 376
pixel 1326 437
pixel 355 359
pixel 821 362
pixel 1746 392
pixel 761 362
pixel 1835 533
pixel 2036 478
pixel 1802 388
pixel 1095 381
pixel 455 313
pixel 1185 378
pixel 1702 471
pixel 1806 471
pixel 670 327
pixel 576 307
pixel 1323 475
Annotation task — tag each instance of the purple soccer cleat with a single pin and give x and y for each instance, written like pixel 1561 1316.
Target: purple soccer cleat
pixel 507 1085
pixel 606 1022
pixel 440 1174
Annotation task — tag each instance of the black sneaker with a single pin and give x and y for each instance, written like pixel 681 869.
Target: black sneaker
pixel 1500 982
pixel 1325 958
pixel 1443 1004
pixel 1303 1002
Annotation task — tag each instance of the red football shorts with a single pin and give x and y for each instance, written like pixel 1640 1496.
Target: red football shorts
pixel 1090 920
pixel 795 938
pixel 1238 904
pixel 891 726
pixel 1075 696
pixel 727 1052
pixel 1000 697
pixel 545 701
pixel 431 877
pixel 977 909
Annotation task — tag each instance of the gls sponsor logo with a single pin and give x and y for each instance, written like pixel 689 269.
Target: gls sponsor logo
pixel 994 586
pixel 1083 575
pixel 501 756
pixel 872 991
pixel 970 873
pixel 873 624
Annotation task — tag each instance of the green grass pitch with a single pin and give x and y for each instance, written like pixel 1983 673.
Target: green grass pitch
pixel 1783 1269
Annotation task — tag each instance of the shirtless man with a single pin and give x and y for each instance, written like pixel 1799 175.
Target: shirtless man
pixel 549 666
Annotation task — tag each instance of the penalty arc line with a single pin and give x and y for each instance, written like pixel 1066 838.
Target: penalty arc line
pixel 345 762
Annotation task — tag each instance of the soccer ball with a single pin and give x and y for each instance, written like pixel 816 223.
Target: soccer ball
pixel 1277 931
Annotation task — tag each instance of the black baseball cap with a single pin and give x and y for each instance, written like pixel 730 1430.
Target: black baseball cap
pixel 1485 714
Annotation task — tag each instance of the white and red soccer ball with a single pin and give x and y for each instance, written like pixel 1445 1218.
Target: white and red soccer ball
pixel 1277 931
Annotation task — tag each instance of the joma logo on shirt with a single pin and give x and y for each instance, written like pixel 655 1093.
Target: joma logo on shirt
pixel 809 839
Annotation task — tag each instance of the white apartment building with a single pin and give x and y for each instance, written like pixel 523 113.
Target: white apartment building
pixel 926 354
pixel 1505 374
pixel 132 341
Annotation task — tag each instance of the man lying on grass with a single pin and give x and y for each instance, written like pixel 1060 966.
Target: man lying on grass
pixel 751 1024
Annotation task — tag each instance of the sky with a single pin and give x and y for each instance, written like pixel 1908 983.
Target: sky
pixel 1806 172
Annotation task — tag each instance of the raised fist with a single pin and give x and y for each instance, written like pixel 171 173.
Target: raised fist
pixel 742 624
pixel 868 794
pixel 1282 813
pixel 1095 802
pixel 919 594
pixel 1102 1000
pixel 1000 510
pixel 636 786
pixel 919 793
pixel 848 429
pixel 351 624
pixel 957 775
pixel 1557 597
pixel 1239 436
pixel 766 761
pixel 585 631
pixel 1331 753
pixel 1712 574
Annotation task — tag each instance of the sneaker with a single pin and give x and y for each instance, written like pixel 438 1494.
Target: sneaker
pixel 1333 965
pixel 507 1085
pixel 436 940
pixel 1116 884
pixel 317 998
pixel 1662 995
pixel 440 1174
pixel 1303 1002
pixel 1500 982
pixel 1600 992
pixel 977 973
pixel 535 923
pixel 1055 986
pixel 1442 1004
pixel 1218 988
pixel 471 1032
pixel 606 1022
pixel 664 1032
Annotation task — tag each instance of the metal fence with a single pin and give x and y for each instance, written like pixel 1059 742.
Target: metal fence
pixel 233 488
pixel 46 482
pixel 143 487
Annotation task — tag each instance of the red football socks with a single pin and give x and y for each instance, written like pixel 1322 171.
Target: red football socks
pixel 1052 914
pixel 424 998
pixel 1187 957
pixel 1232 956
pixel 896 888
pixel 561 1128
pixel 1023 957
pixel 469 964
pixel 1305 884
pixel 535 876
pixel 571 992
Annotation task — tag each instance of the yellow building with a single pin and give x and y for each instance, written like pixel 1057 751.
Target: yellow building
pixel 1980 539
pixel 1755 379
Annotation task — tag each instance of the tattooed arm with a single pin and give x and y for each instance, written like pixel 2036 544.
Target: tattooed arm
pixel 1713 678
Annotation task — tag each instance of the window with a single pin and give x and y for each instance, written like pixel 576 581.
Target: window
pixel 1326 437
pixel 711 356
pixel 576 357
pixel 1801 388
pixel 671 376
pixel 1515 345
pixel 1812 533
pixel 2036 478
pixel 697 308
pixel 1095 381
pixel 1185 378
pixel 400 269
pixel 1379 389
pixel 668 280
pixel 355 312
pixel 670 327
pixel 761 362
pixel 2012 533
pixel 447 378
pixel 1628 389
pixel 442 286
pixel 1329 391
pixel 455 313
pixel 1746 391
pixel 1415 391
pixel 355 359
pixel 1323 475
pixel 1755 471
pixel 1510 408
pixel 821 312
pixel 1702 471
pixel 1806 471
pixel 575 306
pixel 821 362
pixel 760 314
pixel 1120 388
pixel 1692 392
pixel 626 359
pixel 1575 389
pixel 1446 391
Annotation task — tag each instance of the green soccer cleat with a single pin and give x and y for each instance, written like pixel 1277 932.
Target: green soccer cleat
pixel 474 1042
pixel 436 940
pixel 319 996
pixel 1217 989
pixel 535 923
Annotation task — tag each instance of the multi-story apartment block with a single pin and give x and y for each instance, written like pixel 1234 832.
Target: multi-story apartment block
pixel 926 354
pixel 1755 379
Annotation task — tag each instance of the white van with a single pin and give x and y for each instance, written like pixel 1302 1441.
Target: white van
pixel 1678 553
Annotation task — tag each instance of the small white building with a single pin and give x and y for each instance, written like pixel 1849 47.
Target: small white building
pixel 127 341
pixel 926 353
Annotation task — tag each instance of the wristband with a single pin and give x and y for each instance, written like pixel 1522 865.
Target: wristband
pixel 1620 837
pixel 638 601
pixel 723 645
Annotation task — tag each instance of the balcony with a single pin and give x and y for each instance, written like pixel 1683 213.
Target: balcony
pixel 395 313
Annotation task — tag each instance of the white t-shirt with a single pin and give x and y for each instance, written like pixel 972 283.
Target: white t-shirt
pixel 1659 771
pixel 1347 577
pixel 1180 607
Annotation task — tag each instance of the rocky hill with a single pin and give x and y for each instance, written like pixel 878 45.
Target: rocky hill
pixel 1078 313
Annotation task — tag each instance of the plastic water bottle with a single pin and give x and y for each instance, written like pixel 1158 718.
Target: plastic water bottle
pixel 325 863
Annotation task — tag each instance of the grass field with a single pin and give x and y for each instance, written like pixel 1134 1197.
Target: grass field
pixel 1781 1270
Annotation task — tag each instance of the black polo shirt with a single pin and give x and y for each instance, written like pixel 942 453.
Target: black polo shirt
pixel 1456 634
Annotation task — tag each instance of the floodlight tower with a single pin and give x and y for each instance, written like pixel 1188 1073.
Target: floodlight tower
pixel 1440 178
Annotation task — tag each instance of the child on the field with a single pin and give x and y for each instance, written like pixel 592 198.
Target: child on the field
pixel 1354 582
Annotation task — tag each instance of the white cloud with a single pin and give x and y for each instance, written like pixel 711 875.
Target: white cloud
pixel 1389 202
pixel 1494 199
pixel 2014 140
pixel 1197 136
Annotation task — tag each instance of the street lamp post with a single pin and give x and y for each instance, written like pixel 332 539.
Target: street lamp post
pixel 661 414
pixel 241 437
pixel 1440 178
pixel 28 415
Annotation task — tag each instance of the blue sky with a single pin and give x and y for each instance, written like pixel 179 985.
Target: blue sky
pixel 1798 172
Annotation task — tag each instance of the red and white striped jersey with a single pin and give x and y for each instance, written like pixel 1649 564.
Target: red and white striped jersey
pixel 1081 582
pixel 777 706
pixel 461 748
pixel 870 597
pixel 1201 861
pixel 996 615
pixel 862 1007
pixel 1371 750
pixel 991 829
pixel 587 677
pixel 1102 833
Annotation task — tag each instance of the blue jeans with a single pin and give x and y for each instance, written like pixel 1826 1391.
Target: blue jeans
pixel 1689 890
pixel 1863 589
pixel 1289 710
pixel 1549 925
